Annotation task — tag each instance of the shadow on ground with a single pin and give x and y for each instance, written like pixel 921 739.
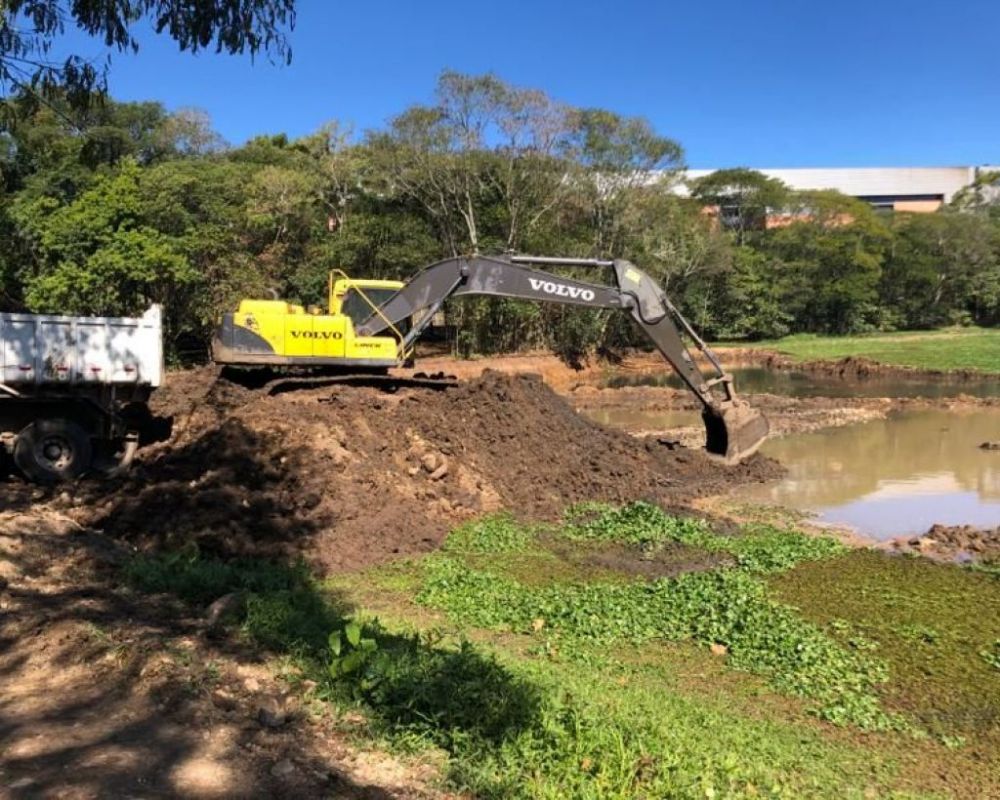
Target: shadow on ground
pixel 116 684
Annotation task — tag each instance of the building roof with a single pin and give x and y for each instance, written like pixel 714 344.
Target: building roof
pixel 871 181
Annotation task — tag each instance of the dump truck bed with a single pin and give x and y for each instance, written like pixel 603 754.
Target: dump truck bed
pixel 39 349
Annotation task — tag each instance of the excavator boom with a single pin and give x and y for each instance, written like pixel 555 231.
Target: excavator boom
pixel 734 430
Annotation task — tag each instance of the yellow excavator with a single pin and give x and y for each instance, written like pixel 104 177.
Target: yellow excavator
pixel 374 325
pixel 276 333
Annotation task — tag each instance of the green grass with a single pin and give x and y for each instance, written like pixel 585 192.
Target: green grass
pixel 951 349
pixel 521 727
pixel 540 677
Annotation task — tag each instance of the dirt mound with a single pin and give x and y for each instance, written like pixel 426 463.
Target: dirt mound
pixel 847 367
pixel 963 543
pixel 850 367
pixel 353 475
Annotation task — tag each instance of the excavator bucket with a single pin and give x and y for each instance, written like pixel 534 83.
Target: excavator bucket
pixel 735 431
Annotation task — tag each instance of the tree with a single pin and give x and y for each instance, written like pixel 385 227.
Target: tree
pixel 748 300
pixel 831 262
pixel 743 197
pixel 941 268
pixel 618 155
pixel 29 28
pixel 100 256
pixel 484 143
pixel 981 197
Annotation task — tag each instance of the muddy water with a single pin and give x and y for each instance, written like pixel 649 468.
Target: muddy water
pixel 894 476
pixel 757 380
pixel 884 478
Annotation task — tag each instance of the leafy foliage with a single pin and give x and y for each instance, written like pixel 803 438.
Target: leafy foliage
pixel 722 607
pixel 758 548
pixel 499 533
pixel 29 28
pixel 513 729
pixel 107 208
pixel 199 580
pixel 349 650
pixel 728 607
pixel 992 654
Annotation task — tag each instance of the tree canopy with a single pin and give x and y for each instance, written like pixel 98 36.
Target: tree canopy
pixel 107 208
pixel 29 29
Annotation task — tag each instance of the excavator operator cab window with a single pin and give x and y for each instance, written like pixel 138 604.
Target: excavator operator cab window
pixel 358 309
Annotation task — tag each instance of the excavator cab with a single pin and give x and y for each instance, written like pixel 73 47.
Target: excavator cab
pixel 358 299
pixel 275 333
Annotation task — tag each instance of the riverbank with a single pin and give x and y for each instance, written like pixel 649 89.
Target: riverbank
pixel 953 351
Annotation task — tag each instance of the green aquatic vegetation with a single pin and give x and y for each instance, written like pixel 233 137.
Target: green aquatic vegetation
pixel 992 654
pixel 726 607
pixel 932 624
pixel 921 634
pixel 640 523
pixel 497 533
pixel 757 547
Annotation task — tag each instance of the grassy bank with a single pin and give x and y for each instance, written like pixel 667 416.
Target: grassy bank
pixel 951 349
pixel 627 653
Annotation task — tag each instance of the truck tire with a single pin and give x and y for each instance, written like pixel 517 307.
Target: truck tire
pixel 53 450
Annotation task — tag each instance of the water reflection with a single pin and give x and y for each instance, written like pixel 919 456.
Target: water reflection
pixel 894 476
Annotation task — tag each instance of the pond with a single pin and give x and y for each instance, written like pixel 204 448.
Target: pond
pixel 884 478
pixel 753 380
pixel 895 476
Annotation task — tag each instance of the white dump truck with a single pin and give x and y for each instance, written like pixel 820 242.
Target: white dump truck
pixel 73 391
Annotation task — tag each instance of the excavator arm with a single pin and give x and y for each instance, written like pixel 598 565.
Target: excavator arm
pixel 734 430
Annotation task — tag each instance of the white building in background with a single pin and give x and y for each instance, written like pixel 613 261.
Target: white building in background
pixel 892 188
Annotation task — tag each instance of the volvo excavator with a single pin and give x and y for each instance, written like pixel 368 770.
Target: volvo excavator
pixel 374 325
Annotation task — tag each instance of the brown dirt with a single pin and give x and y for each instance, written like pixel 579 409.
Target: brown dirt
pixel 786 415
pixel 668 561
pixel 349 476
pixel 109 694
pixel 848 367
pixel 962 543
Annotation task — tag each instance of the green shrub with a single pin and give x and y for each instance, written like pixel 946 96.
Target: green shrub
pixel 196 579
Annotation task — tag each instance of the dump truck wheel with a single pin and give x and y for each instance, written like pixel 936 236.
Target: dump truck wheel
pixel 53 450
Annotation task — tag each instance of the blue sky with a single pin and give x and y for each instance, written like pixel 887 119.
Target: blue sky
pixel 771 83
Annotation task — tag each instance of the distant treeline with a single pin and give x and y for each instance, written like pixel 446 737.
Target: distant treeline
pixel 106 210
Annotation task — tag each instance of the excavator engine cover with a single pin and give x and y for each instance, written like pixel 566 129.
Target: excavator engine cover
pixel 735 431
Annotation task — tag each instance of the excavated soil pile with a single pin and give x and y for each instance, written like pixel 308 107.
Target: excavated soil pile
pixel 349 475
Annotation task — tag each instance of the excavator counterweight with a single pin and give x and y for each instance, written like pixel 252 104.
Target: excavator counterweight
pixel 380 330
